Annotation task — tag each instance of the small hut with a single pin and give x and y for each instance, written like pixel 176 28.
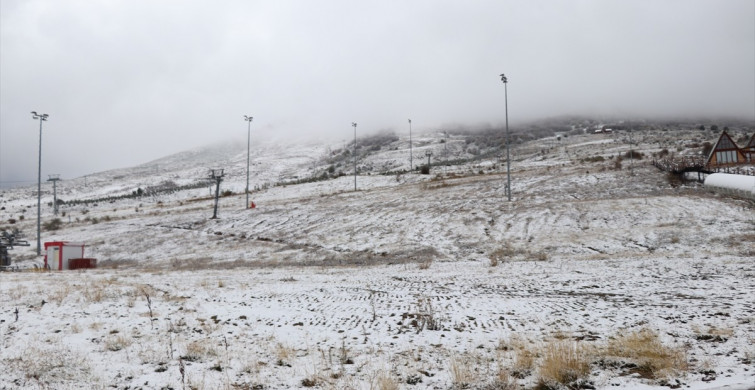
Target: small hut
pixel 58 254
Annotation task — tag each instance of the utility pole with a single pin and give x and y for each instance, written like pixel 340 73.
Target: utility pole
pixel 54 179
pixel 217 175
pixel 445 152
pixel 411 167
pixel 508 155
pixel 355 154
pixel 428 154
pixel 248 138
pixel 42 118
pixel 631 153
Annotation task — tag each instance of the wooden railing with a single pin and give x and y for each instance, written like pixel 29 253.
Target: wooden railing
pixel 692 164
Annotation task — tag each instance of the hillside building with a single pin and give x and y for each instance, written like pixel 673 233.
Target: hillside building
pixel 749 150
pixel 725 152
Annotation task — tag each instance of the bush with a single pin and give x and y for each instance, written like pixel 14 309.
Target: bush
pixel 707 147
pixel 226 193
pixel 675 180
pixel 54 224
pixel 594 159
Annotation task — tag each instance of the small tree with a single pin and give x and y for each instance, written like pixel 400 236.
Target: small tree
pixel 707 147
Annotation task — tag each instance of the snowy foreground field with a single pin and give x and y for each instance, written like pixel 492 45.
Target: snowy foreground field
pixel 622 323
pixel 591 278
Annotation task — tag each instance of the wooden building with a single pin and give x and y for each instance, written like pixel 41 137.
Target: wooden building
pixel 726 152
pixel 749 150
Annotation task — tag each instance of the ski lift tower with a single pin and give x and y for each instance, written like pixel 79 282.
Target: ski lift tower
pixel 54 179
pixel 7 242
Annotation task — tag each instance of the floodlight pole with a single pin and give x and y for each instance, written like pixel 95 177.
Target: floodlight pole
pixel 54 179
pixel 410 146
pixel 217 175
pixel 355 154
pixel 631 153
pixel 508 155
pixel 248 138
pixel 42 118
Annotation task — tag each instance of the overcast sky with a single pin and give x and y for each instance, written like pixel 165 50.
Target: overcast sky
pixel 129 81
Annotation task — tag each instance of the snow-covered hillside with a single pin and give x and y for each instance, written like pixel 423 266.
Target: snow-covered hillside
pixel 593 247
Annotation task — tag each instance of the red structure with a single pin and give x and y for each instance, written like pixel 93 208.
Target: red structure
pixel 82 263
pixel 61 255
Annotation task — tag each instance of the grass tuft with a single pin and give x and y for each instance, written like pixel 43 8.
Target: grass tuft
pixel 565 363
pixel 652 358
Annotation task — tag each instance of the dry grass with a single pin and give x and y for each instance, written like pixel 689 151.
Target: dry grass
pixel 504 253
pixel 502 381
pixel 384 381
pixel 426 316
pixel 566 363
pixel 425 264
pixel 15 294
pixel 508 252
pixel 462 371
pixel 59 294
pixel 42 363
pixel 116 342
pixel 644 348
pixel 153 353
pixel 283 354
pixel 713 333
pixel 94 292
pixel 198 350
pixel 524 357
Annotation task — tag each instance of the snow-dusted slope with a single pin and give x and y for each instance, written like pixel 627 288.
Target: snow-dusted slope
pixel 588 250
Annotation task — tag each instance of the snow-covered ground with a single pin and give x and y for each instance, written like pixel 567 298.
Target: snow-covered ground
pixel 413 281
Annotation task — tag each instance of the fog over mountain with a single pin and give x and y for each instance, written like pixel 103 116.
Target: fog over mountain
pixel 125 82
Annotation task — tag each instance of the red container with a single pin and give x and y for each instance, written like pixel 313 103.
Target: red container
pixel 82 263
